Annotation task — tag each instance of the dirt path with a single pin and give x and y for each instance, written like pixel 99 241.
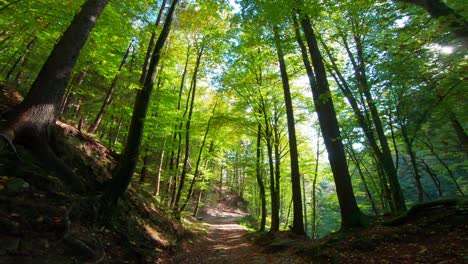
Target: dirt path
pixel 226 242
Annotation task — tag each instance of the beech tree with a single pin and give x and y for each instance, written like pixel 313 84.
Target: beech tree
pixel 123 173
pixel 30 122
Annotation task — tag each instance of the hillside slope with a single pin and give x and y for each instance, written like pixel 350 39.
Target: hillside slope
pixel 41 221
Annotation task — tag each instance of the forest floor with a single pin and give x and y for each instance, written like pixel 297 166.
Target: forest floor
pixel 436 234
pixel 220 239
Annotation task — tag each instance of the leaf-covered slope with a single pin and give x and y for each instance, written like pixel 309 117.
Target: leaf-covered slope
pixel 42 222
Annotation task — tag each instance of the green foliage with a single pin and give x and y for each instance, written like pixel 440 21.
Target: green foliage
pixel 419 91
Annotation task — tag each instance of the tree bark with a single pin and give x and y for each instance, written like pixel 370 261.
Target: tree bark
pixel 160 168
pixel 258 174
pixel 123 173
pixel 197 165
pixel 298 220
pixel 446 16
pixel 185 166
pixel 382 155
pixel 273 195
pixel 350 213
pixel 110 92
pixel 30 120
pixel 152 41
pixel 314 188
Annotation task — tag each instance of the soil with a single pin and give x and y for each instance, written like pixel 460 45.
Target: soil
pixel 222 240
pixel 434 235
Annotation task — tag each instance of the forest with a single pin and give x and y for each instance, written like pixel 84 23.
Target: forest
pixel 308 118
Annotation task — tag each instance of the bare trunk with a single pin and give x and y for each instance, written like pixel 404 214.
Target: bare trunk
pixel 110 92
pixel 350 213
pixel 258 174
pixel 298 221
pixel 123 173
pixel 185 166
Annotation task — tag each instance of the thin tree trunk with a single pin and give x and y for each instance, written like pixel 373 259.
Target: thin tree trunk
pixel 20 61
pixel 117 132
pixel 314 188
pixel 274 196
pixel 126 167
pixel 434 178
pixel 151 44
pixel 110 92
pixel 75 84
pixel 298 221
pixel 356 161
pixel 304 205
pixel 415 169
pixel 185 165
pixel 197 205
pixel 197 166
pixel 258 174
pixel 160 166
pixel 460 131
pixel 24 60
pixel 174 162
pixel 443 163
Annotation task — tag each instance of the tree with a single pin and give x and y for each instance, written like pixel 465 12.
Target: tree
pixel 258 175
pixel 350 213
pixel 446 16
pixel 29 123
pixel 123 173
pixel 298 222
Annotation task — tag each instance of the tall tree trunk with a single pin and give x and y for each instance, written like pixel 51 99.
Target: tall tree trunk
pixel 383 155
pixel 110 92
pixel 75 83
pixel 185 166
pixel 197 205
pixel 274 196
pixel 298 220
pixel 31 119
pixel 304 205
pixel 123 173
pixel 174 161
pixel 357 163
pixel 414 165
pixel 350 213
pixel 276 141
pixel 152 41
pixel 314 188
pixel 160 168
pixel 197 165
pixel 258 174
pixel 387 160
